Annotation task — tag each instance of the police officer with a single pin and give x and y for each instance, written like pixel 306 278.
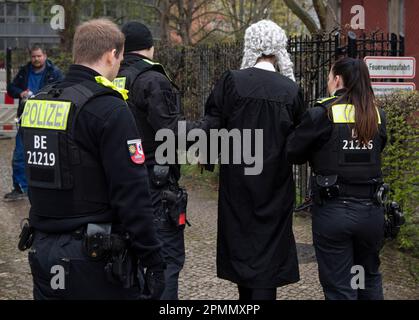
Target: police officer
pixel 343 136
pixel 155 102
pixel 91 212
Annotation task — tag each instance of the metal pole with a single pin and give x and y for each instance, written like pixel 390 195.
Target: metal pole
pixel 8 65
pixel 401 46
pixel 352 46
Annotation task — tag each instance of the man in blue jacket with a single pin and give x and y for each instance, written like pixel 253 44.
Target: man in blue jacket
pixel 29 80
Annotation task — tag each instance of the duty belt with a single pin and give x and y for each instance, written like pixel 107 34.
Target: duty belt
pixel 360 191
pixel 330 187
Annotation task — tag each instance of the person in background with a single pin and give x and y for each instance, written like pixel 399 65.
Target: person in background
pixel 29 80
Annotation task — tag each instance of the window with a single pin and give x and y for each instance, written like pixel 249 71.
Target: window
pixel 23 9
pixel 11 12
pixel 11 9
pixel 2 9
pixel 23 13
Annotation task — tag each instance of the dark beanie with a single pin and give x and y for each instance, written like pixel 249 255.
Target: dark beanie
pixel 137 36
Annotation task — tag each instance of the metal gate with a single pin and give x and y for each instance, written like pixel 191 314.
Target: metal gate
pixel 7 116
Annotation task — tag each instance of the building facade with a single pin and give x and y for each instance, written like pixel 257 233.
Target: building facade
pixel 388 16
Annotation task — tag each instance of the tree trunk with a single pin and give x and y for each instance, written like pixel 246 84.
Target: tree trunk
pixel 164 12
pixel 71 9
pixel 303 15
pixel 321 11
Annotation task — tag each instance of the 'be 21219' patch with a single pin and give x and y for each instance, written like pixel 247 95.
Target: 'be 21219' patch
pixel 136 151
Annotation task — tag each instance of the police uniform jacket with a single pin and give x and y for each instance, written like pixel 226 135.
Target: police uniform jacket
pixel 102 133
pixel 326 139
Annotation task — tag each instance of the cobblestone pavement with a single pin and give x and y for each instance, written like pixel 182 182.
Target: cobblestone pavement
pixel 198 278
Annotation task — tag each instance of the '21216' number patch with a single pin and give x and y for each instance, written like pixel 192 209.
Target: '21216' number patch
pixel 357 145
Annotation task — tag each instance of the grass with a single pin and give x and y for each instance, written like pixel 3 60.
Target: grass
pixel 195 178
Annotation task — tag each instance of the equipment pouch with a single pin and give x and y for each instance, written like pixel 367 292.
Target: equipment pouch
pixel 160 175
pixel 98 240
pixel 328 187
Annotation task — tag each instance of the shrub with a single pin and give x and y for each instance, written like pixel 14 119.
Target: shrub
pixel 401 164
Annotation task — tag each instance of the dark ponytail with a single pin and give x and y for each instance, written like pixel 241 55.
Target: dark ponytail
pixel 356 79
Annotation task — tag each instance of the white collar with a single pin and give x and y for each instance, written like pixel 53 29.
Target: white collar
pixel 265 66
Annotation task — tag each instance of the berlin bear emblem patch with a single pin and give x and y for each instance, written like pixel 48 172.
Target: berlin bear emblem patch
pixel 136 151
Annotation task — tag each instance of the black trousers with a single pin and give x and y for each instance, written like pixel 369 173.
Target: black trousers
pixel 173 248
pixel 348 236
pixel 61 270
pixel 256 294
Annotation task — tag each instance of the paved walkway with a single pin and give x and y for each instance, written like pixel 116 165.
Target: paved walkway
pixel 198 279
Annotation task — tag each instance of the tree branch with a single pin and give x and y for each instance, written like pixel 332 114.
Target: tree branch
pixel 303 16
pixel 321 11
pixel 333 13
pixel 209 33
pixel 202 28
pixel 210 12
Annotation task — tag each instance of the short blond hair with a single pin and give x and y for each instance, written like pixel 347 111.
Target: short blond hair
pixel 94 38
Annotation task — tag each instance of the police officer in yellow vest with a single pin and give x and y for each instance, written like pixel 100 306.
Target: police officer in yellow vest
pixel 342 137
pixel 91 219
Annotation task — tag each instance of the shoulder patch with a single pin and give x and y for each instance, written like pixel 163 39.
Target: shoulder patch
pixel 136 151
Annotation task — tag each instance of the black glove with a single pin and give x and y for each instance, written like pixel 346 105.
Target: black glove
pixel 154 282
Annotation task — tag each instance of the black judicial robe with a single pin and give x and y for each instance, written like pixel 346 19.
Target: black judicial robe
pixel 255 242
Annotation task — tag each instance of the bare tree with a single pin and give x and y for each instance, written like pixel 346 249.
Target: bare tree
pixel 72 13
pixel 241 14
pixel 189 19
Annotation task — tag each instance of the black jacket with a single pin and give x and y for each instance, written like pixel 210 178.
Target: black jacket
pixel 103 128
pixel 157 98
pixel 314 131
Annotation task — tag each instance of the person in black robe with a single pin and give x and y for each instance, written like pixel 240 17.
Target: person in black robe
pixel 255 245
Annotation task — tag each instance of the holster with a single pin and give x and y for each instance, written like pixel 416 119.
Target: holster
pixel 122 268
pixel 175 202
pixel 394 219
pixel 26 236
pixel 174 198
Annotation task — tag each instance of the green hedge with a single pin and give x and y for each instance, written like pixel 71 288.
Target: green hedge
pixel 401 164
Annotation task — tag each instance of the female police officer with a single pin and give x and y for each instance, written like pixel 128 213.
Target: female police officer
pixel 342 137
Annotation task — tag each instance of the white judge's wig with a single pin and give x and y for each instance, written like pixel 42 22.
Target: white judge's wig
pixel 267 38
